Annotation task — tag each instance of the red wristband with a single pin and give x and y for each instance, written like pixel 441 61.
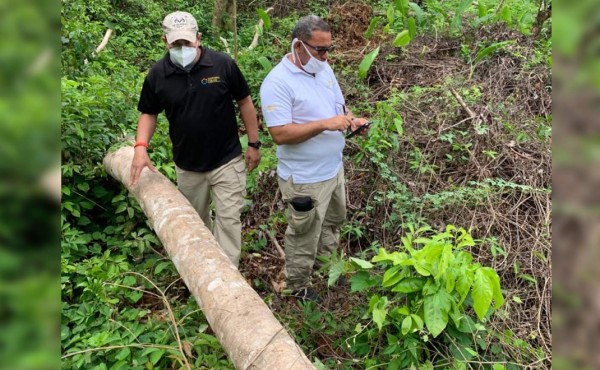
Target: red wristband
pixel 141 143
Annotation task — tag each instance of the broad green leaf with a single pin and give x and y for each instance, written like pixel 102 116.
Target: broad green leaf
pixel 265 63
pixel 148 350
pixel 412 28
pixel 446 259
pixel 161 266
pixel 450 279
pixel 361 281
pixel 464 283
pixel 435 310
pixel 418 321
pixel 402 311
pixel 409 285
pixel 498 367
pixel 431 287
pixel 382 256
pixel 482 293
pixel 120 365
pixel 418 267
pixel 505 15
pixel 489 50
pixel 390 14
pixel 156 356
pixel 378 306
pixel 402 6
pixel 122 207
pixel 406 325
pixel 372 25
pixel 466 324
pixel 391 276
pixel 481 9
pixel 379 315
pixel 123 353
pixel 83 186
pixel 365 64
pixel 497 291
pixel 402 39
pixel 335 272
pixel 362 263
pixel 419 13
pixel 265 18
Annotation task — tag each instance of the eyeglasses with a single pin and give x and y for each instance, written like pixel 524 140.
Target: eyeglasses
pixel 321 50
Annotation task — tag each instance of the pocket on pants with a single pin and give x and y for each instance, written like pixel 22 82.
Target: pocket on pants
pixel 240 170
pixel 301 222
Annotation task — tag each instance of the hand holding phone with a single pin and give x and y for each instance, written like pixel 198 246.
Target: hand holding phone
pixel 359 129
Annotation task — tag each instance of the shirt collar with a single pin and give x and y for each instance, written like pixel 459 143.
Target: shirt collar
pixel 292 67
pixel 204 61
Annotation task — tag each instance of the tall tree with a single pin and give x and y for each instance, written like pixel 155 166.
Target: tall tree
pixel 224 15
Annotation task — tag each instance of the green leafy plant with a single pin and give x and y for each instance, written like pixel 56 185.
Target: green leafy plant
pixel 430 289
pixel 367 61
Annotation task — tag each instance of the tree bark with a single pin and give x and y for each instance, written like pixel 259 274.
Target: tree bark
pixel 242 322
pixel 224 15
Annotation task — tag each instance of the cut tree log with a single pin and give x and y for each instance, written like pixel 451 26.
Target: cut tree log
pixel 242 322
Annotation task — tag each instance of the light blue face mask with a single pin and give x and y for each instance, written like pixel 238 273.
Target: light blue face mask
pixel 183 56
pixel 313 65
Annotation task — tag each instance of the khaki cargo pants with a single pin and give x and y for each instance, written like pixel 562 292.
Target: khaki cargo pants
pixel 226 187
pixel 315 232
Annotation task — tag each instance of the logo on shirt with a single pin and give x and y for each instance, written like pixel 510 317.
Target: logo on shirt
pixel 329 83
pixel 210 80
pixel 271 108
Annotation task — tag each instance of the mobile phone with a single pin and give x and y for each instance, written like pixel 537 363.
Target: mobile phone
pixel 359 129
pixel 302 204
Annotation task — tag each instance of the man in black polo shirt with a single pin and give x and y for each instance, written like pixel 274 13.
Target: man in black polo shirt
pixel 195 87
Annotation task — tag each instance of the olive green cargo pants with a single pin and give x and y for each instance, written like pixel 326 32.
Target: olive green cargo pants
pixel 314 232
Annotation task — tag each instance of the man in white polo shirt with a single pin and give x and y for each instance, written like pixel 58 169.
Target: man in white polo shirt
pixel 305 112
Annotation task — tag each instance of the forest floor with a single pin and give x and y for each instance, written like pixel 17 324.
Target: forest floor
pixel 476 129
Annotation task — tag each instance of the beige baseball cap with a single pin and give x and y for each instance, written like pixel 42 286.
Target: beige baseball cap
pixel 180 26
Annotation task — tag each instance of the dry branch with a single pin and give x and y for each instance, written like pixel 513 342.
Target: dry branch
pixel 256 33
pixel 104 41
pixel 242 322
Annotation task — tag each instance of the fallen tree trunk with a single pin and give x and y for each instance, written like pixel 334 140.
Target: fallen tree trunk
pixel 242 322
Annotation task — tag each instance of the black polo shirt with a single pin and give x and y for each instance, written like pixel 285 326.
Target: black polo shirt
pixel 199 106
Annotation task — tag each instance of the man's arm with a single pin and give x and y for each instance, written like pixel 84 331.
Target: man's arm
pixel 145 130
pixel 248 113
pixel 293 133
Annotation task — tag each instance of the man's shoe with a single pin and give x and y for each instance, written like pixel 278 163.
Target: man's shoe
pixel 306 294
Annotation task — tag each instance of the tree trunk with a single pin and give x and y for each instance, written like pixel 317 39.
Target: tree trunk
pixel 242 322
pixel 224 15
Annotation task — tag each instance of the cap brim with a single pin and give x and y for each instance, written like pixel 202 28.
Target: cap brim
pixel 181 35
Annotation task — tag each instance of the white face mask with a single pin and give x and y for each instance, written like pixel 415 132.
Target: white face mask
pixel 183 56
pixel 313 65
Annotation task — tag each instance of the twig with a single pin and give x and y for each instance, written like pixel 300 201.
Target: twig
pixel 171 317
pixel 104 41
pixel 539 316
pixel 277 246
pixel 224 41
pixel 462 103
pixel 71 354
pixel 265 347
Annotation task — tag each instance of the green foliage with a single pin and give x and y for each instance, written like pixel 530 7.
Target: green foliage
pixel 425 291
pixel 432 297
pixel 367 61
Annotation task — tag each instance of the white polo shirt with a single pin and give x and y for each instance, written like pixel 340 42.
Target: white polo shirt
pixel 290 95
